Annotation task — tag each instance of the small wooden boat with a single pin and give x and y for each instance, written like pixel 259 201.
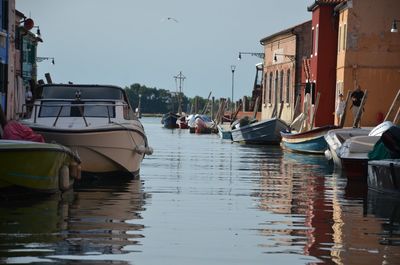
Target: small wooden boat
pixel 200 123
pixel 204 125
pixel 39 167
pixel 262 132
pixel 384 175
pixel 169 119
pixel 182 122
pixel 225 131
pixel 312 141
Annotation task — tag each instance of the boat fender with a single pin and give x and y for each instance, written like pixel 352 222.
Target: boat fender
pixel 149 150
pixel 63 178
pixel 328 154
pixel 75 170
pixel 140 149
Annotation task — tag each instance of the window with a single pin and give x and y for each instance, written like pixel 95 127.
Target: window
pixel 344 36
pixel 276 86
pixel 270 88
pixel 287 86
pixel 265 88
pixel 281 87
pixel 312 41
pixel 339 37
pixel 92 109
pixel 316 41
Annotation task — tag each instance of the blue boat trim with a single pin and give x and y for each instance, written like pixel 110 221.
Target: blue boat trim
pixel 20 175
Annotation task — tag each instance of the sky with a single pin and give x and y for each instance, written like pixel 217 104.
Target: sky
pixel 123 42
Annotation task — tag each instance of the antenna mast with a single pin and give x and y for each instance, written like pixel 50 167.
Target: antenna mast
pixel 181 78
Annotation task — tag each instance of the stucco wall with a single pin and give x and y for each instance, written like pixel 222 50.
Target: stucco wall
pixel 371 57
pixel 294 44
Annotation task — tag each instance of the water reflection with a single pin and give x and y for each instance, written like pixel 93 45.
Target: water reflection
pixel 361 219
pixel 99 218
pixel 386 208
pixel 293 186
pixel 201 200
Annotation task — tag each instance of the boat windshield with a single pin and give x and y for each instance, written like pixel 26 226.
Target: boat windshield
pixel 100 109
pixel 83 92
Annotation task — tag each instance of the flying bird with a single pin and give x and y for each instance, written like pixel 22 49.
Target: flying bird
pixel 171 19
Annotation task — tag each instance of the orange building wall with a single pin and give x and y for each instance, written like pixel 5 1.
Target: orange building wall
pixel 370 56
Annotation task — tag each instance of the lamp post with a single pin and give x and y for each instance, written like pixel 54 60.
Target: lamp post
pixel 139 109
pixel 291 57
pixel 257 54
pixel 394 26
pixel 233 67
pixel 41 59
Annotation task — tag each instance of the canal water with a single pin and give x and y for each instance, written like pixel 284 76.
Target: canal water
pixel 203 200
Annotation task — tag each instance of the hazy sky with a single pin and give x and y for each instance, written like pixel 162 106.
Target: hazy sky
pixel 122 42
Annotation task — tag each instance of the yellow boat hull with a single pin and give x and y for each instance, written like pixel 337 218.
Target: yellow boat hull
pixel 37 166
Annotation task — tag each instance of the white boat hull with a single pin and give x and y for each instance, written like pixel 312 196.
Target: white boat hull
pixel 335 139
pixel 102 150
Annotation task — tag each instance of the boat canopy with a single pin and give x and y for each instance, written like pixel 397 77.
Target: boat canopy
pixel 82 92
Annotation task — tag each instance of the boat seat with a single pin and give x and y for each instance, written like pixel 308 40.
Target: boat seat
pixel 362 144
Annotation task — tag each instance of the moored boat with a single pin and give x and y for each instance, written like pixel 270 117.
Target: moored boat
pixel 311 141
pixel 354 152
pixel 169 120
pixel 201 124
pixel 225 131
pixel 204 125
pixel 335 139
pixel 182 122
pixel 262 132
pixel 354 156
pixel 39 167
pixel 96 121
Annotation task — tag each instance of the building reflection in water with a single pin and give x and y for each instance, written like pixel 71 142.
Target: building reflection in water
pixel 369 227
pixel 324 217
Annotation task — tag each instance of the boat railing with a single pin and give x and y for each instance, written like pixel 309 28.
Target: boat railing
pixel 80 108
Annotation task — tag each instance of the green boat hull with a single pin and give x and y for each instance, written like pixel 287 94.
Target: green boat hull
pixel 36 166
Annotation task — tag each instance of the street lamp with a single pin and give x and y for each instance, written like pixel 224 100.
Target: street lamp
pixel 290 56
pixel 394 26
pixel 257 54
pixel 41 59
pixel 139 108
pixel 233 67
pixel 38 35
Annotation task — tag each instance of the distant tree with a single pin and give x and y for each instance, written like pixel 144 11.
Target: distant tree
pixel 156 101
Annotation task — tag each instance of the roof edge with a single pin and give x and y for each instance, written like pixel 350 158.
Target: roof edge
pixel 326 2
pixel 288 30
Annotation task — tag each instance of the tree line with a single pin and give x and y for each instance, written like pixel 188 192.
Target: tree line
pixel 155 101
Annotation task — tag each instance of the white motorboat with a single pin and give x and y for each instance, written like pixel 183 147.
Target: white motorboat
pixel 96 121
pixel 354 151
pixel 335 139
pixel 349 148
